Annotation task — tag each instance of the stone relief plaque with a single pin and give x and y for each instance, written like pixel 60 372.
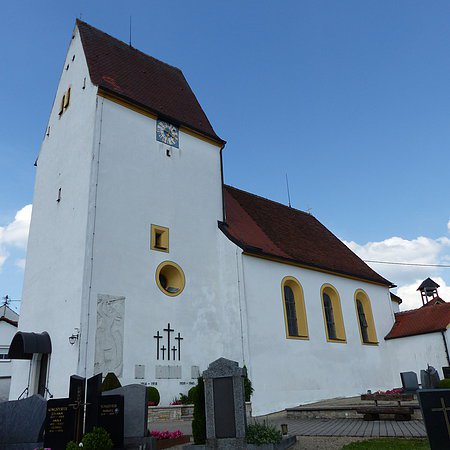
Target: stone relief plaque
pixel 109 334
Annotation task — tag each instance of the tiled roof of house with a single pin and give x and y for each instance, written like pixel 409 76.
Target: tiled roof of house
pixel 433 316
pixel 143 80
pixel 267 228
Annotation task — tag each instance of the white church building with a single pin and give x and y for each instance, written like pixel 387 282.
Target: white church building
pixel 142 262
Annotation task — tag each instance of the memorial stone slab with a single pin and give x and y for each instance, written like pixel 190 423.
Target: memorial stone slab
pixel 429 378
pixel 60 424
pixel 93 396
pixel 446 372
pixel 225 407
pixel 435 406
pixel 136 409
pixel 111 418
pixel 77 392
pixel 409 381
pixel 22 423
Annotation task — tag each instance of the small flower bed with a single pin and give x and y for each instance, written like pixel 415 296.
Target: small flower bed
pixel 151 403
pixel 390 391
pixel 166 434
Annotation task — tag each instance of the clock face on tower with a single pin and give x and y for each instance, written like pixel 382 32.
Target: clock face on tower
pixel 167 133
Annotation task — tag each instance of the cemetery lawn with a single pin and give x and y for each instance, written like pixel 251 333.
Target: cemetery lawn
pixel 389 444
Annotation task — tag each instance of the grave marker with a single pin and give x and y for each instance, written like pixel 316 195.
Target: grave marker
pixel 409 381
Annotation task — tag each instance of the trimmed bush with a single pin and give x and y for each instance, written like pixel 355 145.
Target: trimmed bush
pixel 97 439
pixel 72 445
pixel 248 388
pixel 153 395
pixel 444 384
pixel 199 420
pixel 190 395
pixel 263 433
pixel 110 382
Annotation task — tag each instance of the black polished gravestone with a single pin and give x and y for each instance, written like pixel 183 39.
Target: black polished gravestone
pixel 446 372
pixel 111 417
pixel 65 416
pixel 435 406
pixel 93 397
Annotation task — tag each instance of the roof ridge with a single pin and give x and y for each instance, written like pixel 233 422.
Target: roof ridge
pixel 290 208
pixel 122 43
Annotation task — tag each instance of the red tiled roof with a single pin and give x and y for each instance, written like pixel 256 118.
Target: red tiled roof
pixel 118 68
pixel 264 227
pixel 429 318
pixel 11 322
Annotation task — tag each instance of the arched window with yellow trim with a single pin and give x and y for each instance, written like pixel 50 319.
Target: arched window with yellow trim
pixel 294 309
pixel 332 314
pixel 364 314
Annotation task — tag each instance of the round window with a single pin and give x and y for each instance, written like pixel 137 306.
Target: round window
pixel 170 278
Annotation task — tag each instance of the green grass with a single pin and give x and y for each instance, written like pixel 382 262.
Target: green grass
pixel 389 444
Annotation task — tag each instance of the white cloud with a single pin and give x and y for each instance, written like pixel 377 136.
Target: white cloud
pixel 15 234
pixel 422 250
pixel 448 226
pixel 20 263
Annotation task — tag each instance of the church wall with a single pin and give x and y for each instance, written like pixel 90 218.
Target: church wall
pixel 56 248
pixel 413 353
pixel 139 185
pixel 287 372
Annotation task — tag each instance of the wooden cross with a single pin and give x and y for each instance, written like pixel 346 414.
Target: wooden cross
pixel 169 330
pixel 444 410
pixel 157 337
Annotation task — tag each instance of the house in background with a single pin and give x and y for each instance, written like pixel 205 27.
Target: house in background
pixel 420 336
pixel 8 328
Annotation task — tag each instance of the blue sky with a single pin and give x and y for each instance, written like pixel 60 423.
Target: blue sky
pixel 350 98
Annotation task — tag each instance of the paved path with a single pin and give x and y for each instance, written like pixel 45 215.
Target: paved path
pixel 325 427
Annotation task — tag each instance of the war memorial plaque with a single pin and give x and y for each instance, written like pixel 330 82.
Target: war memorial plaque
pixel 224 415
pixel 111 417
pixel 435 406
pixel 59 423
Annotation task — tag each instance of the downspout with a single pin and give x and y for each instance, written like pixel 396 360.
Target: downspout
pixel 224 218
pixel 446 347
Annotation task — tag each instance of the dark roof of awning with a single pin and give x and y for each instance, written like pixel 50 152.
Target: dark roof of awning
pixel 24 345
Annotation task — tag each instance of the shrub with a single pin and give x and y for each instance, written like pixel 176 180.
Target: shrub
pixel 110 382
pixel 191 395
pixel 263 433
pixel 444 384
pixel 153 395
pixel 248 388
pixel 72 445
pixel 199 420
pixel 97 439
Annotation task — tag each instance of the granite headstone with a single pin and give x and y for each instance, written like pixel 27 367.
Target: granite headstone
pixel 60 423
pixel 446 372
pixel 429 378
pixel 136 409
pixel 435 406
pixel 111 414
pixel 22 423
pixel 225 406
pixel 93 396
pixel 409 381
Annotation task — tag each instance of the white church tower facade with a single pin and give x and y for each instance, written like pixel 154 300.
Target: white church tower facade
pixel 143 263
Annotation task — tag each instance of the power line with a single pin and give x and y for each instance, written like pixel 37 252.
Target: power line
pixel 407 264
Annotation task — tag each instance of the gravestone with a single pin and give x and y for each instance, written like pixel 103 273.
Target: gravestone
pixel 446 372
pixel 60 423
pixel 22 423
pixel 111 415
pixel 77 392
pixel 435 406
pixel 93 396
pixel 409 381
pixel 225 406
pixel 429 378
pixel 136 409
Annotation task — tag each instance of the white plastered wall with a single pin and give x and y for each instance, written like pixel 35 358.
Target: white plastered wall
pixel 56 247
pixel 288 372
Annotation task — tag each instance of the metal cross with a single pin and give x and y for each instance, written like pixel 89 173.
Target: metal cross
pixel 444 410
pixel 157 337
pixel 163 349
pixel 179 339
pixel 174 351
pixel 169 330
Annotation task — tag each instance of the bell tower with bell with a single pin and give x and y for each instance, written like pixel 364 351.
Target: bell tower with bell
pixel 428 290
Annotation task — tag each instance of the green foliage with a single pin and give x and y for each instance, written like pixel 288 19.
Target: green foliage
pixel 190 395
pixel 199 420
pixel 248 388
pixel 184 399
pixel 72 445
pixel 153 395
pixel 110 382
pixel 444 384
pixel 263 433
pixel 97 439
pixel 389 444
